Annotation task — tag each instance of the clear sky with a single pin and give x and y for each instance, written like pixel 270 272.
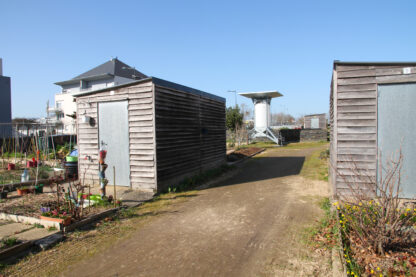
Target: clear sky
pixel 213 46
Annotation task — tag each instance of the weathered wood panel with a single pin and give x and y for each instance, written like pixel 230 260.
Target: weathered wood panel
pixel 190 134
pixel 188 128
pixel 141 129
pixel 353 108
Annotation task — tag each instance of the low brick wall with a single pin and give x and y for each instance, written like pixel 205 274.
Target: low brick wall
pixel 313 134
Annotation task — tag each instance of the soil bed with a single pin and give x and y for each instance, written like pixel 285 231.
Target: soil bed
pixel 242 153
pixel 30 204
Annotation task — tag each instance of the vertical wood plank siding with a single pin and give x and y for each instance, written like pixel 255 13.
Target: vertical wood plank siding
pixel 141 133
pixel 353 114
pixel 190 134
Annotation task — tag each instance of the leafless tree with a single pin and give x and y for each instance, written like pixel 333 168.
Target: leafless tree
pixel 372 210
pixel 282 118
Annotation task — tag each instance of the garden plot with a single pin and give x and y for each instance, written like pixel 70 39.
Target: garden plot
pixel 56 206
pixel 243 153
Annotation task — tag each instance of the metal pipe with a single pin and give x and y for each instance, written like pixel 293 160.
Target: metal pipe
pixel 114 178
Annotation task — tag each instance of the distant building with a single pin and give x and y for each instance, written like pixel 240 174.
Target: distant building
pixel 111 73
pixel 315 121
pixel 5 104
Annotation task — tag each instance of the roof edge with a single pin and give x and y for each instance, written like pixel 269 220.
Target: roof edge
pixel 74 81
pixel 164 83
pixel 338 62
pixel 83 93
pixel 158 82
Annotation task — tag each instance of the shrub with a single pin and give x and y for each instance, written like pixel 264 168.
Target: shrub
pixel 373 217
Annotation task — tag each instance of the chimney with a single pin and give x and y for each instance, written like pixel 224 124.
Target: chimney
pixel 1 67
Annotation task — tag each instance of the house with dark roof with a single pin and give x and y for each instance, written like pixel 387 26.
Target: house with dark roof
pixel 109 74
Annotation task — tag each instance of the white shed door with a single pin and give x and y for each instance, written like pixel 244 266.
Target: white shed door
pixel 113 126
pixel 397 129
pixel 314 123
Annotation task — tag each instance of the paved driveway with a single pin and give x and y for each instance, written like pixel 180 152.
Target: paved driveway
pixel 249 225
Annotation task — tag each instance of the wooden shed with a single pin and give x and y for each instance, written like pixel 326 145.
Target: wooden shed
pixel 314 121
pixel 156 133
pixel 372 116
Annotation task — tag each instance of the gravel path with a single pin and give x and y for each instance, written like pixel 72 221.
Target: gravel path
pixel 249 225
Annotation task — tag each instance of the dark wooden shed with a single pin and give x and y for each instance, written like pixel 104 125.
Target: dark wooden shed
pixel 372 116
pixel 156 133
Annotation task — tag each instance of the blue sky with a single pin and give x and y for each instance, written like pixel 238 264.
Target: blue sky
pixel 213 46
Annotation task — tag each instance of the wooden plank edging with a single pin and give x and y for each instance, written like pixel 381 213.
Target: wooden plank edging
pixel 88 220
pixel 14 250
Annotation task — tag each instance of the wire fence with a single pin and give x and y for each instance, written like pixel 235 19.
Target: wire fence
pixel 33 139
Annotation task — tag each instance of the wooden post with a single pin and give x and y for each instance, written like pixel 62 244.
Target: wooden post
pixel 114 178
pixel 89 197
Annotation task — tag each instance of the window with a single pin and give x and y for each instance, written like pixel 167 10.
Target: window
pixel 59 116
pixel 83 84
pixel 59 104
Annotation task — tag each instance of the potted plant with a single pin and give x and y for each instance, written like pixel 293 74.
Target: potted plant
pixel 11 166
pixel 61 217
pixel 39 188
pixel 22 190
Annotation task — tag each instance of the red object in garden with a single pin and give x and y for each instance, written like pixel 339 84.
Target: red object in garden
pixel 11 166
pixel 29 164
pixel 103 153
pixel 22 192
pixel 85 196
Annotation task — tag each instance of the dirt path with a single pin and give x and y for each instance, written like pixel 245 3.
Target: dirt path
pixel 250 225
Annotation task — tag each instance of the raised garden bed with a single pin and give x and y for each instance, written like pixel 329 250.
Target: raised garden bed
pixel 41 209
pixel 243 153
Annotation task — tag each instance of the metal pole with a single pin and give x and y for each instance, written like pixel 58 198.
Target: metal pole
pixel 114 178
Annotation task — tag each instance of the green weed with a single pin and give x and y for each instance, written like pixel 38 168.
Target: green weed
pixel 52 228
pixel 7 242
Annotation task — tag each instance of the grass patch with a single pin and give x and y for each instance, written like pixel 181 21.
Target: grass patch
pixel 315 166
pixel 325 233
pixel 304 145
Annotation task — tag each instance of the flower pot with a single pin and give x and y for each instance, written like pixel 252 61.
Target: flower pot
pixel 11 166
pixel 21 192
pixel 64 221
pixel 3 194
pixel 39 188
